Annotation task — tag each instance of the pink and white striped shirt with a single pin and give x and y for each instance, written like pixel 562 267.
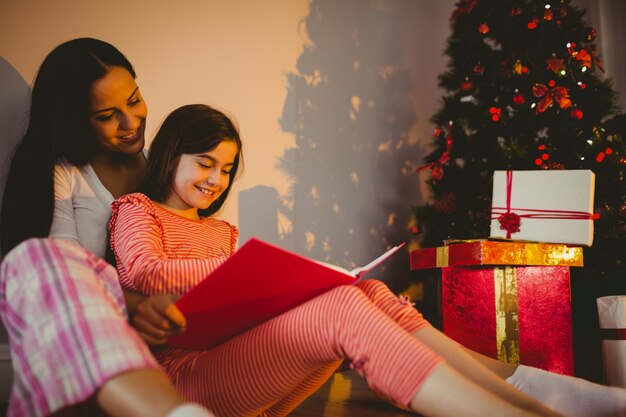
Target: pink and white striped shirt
pixel 159 251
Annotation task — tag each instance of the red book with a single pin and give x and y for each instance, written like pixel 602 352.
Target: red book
pixel 257 283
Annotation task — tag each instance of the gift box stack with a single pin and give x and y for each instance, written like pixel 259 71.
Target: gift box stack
pixel 509 296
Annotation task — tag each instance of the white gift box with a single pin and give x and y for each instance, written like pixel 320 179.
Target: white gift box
pixel 554 206
pixel 612 314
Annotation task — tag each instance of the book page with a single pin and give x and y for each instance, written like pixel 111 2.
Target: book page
pixel 357 272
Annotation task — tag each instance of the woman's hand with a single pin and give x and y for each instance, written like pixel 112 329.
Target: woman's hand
pixel 156 318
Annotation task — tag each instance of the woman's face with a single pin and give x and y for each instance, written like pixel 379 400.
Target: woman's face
pixel 118 112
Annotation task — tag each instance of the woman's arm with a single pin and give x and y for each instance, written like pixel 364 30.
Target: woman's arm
pixel 63 221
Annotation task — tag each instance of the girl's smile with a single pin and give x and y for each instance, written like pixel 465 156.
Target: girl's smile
pixel 200 179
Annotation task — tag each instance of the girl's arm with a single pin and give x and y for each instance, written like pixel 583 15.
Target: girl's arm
pixel 136 240
pixel 155 318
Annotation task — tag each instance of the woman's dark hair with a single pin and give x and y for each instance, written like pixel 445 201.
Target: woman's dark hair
pixel 58 127
pixel 190 129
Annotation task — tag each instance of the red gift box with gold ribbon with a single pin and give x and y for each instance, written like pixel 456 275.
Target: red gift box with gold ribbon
pixel 507 300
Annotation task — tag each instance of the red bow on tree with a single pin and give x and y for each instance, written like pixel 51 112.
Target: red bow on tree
pixel 594 57
pixel 465 6
pixel 550 95
pixel 584 57
pixel 436 167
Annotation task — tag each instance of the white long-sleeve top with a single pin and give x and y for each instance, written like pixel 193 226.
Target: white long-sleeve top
pixel 82 207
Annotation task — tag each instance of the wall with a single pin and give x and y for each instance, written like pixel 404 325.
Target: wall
pixel 258 60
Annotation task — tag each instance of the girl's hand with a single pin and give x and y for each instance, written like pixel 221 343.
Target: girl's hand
pixel 156 318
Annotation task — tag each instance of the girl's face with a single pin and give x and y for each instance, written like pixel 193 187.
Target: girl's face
pixel 199 179
pixel 118 112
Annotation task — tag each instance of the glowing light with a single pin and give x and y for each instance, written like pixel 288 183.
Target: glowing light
pixel 547 6
pixel 589 141
pixel 584 69
pixel 562 72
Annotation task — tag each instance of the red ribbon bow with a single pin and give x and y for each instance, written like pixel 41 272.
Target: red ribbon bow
pixel 465 6
pixel 437 167
pixel 550 95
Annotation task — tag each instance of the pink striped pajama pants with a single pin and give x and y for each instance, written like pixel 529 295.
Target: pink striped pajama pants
pixel 63 309
pixel 272 368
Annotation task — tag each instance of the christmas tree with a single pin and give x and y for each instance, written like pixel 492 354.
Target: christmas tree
pixel 524 90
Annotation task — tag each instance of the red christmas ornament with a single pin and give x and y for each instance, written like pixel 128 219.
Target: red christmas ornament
pixel 518 98
pixel 483 28
pixel 582 85
pixel 538 161
pixel 532 24
pixel 541 147
pixel 415 230
pixel 495 113
pixel 576 113
pixel 466 86
pixel 545 156
pixel 548 15
pixel 437 173
pixel 608 151
pixel 479 69
pixel 600 157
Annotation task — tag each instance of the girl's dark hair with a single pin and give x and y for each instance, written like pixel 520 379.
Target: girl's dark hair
pixel 58 127
pixel 190 129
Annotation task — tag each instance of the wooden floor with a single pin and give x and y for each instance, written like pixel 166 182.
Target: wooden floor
pixel 346 395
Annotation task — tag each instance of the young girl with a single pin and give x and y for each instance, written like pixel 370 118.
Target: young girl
pixel 166 242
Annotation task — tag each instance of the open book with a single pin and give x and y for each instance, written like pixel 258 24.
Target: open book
pixel 257 283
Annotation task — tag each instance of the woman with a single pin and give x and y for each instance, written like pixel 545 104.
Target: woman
pixel 62 306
